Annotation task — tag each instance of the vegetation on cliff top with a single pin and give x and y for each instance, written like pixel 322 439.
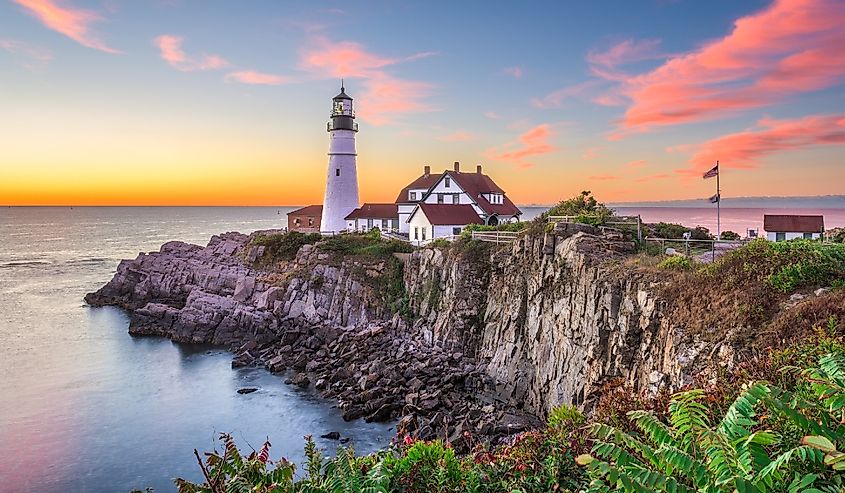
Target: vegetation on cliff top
pixel 772 424
pixel 743 291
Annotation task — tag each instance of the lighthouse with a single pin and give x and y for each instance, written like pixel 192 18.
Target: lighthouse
pixel 342 175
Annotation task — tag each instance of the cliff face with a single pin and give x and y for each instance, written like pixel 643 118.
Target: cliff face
pixel 553 317
pixel 544 321
pixel 212 295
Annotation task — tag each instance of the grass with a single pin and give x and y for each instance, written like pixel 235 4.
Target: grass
pixel 281 246
pixel 741 293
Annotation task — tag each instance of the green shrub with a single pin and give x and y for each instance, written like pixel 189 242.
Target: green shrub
pixel 676 262
pixel 282 246
pixel 808 263
pixel 672 231
pixel 370 244
pixel 729 235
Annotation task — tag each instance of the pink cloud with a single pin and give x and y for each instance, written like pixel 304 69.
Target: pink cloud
pixel 636 164
pixel 605 64
pixel 492 115
pixel 534 142
pixel 459 136
pixel 745 149
pixel 73 22
pixel 790 47
pixel 591 153
pixel 602 177
pixel 515 72
pixel 556 98
pixel 170 48
pixel 256 78
pixel 386 97
pixel 30 56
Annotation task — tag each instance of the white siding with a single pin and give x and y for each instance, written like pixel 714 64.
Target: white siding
pixel 790 236
pixel 404 213
pixel 419 223
pixel 446 231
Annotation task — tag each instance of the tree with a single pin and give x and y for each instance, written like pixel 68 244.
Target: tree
pixel 729 235
pixel 584 207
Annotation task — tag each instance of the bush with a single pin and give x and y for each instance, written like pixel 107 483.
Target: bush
pixel 672 231
pixel 729 235
pixel 369 244
pixel 676 262
pixel 282 246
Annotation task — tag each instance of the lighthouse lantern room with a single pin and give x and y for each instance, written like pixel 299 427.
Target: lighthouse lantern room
pixel 342 175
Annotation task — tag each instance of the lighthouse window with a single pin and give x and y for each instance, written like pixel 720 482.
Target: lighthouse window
pixel 337 172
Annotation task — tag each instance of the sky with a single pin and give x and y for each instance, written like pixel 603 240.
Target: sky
pixel 180 102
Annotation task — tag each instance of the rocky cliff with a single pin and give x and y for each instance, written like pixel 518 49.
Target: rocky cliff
pixel 552 317
pixel 492 334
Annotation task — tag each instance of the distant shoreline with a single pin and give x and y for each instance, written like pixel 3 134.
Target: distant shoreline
pixel 798 202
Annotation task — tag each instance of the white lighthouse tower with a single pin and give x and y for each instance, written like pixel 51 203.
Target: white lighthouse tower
pixel 342 176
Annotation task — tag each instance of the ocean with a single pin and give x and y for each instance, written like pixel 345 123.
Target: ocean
pixel 85 407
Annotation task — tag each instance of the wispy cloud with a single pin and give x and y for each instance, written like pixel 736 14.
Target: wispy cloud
pixel 556 99
pixel 745 149
pixel 386 97
pixel 459 136
pixel 591 153
pixel 73 22
pixel 602 177
pixel 640 163
pixel 790 47
pixel 534 142
pixel 256 78
pixel 515 71
pixel 492 115
pixel 170 48
pixel 30 56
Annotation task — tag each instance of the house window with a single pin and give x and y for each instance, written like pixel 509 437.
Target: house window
pixel 310 221
pixel 780 236
pixel 456 198
pixel 439 198
pixel 423 233
pixel 337 172
pixel 808 236
pixel 412 195
pixel 448 182
pixel 456 231
pixel 417 233
pixel 296 221
pixel 369 224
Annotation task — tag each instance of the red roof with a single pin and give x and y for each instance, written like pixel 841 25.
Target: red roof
pixel 448 214
pixel 311 210
pixel 774 223
pixel 475 184
pixel 375 211
pixel 424 182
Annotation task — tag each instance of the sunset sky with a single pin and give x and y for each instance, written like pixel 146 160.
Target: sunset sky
pixel 177 102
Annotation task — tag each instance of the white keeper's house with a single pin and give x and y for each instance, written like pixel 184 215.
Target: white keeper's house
pixel 438 205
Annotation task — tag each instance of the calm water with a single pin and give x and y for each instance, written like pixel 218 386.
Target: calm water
pixel 737 220
pixel 86 407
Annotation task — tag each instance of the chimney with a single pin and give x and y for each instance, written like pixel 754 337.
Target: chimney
pixel 478 169
pixel 457 166
pixel 426 170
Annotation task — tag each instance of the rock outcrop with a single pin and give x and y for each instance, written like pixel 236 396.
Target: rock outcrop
pixel 500 333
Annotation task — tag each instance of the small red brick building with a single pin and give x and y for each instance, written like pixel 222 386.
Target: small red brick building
pixel 305 220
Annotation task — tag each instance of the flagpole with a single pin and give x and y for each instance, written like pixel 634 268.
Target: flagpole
pixel 718 204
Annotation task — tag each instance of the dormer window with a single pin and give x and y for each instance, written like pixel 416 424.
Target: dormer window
pixel 448 182
pixel 412 195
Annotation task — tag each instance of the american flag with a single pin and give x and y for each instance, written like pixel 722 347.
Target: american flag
pixel 712 173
